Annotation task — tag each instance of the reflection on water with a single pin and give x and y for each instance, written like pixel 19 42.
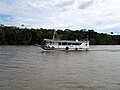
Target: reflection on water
pixel 28 68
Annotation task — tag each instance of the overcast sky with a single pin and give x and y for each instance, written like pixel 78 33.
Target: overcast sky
pixel 100 15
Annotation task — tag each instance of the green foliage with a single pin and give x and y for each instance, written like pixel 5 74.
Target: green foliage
pixel 10 35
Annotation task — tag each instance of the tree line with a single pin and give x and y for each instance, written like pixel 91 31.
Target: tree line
pixel 11 35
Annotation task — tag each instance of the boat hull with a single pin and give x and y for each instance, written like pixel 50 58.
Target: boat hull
pixel 66 48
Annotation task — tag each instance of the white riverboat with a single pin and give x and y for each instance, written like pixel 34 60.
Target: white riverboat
pixel 57 44
pixel 51 44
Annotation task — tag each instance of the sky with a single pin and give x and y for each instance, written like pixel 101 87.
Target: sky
pixel 101 15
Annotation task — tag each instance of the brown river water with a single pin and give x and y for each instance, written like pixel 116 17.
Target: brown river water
pixel 29 68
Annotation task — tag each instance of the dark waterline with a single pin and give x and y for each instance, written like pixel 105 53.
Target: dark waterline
pixel 28 68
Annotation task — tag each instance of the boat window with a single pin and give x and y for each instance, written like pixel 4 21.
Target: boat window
pixel 64 43
pixel 69 43
pixel 50 43
pixel 60 43
pixel 73 43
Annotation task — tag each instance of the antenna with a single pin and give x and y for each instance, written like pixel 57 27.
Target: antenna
pixel 54 34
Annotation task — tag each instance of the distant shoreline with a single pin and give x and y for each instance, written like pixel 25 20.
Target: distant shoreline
pixel 11 35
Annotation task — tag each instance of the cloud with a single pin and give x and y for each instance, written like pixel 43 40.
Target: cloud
pixel 85 4
pixel 100 15
pixel 65 3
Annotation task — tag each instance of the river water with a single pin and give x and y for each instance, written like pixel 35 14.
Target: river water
pixel 29 68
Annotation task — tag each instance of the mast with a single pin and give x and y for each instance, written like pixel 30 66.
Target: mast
pixel 54 34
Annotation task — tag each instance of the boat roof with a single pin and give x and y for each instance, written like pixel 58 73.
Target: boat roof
pixel 64 41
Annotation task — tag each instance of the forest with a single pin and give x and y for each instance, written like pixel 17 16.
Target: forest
pixel 12 35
